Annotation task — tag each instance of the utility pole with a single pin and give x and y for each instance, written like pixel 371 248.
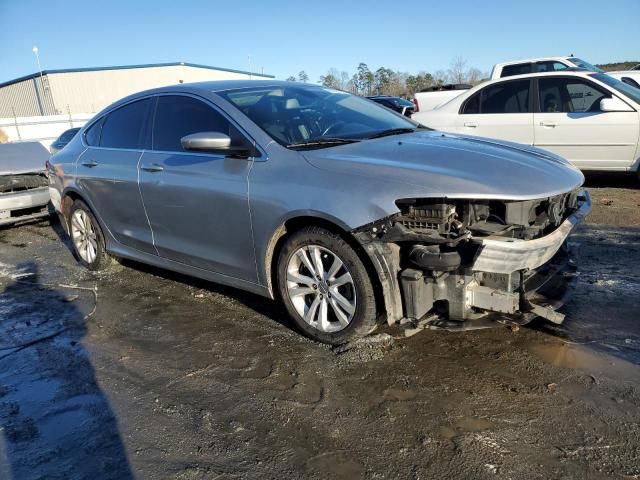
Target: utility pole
pixel 44 93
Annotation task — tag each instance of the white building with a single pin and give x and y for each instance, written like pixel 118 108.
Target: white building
pixel 89 90
pixel 42 105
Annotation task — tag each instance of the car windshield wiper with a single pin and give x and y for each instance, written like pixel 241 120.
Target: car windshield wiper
pixel 321 142
pixel 392 131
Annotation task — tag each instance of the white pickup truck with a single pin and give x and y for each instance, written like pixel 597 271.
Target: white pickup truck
pixel 431 97
pixel 555 64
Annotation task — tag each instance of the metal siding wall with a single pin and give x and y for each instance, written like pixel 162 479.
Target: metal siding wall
pixel 88 92
pixel 22 100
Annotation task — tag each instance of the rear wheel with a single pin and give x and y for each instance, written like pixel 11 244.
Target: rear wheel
pixel 326 287
pixel 87 238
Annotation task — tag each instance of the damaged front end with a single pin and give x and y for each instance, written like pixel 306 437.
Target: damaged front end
pixel 470 262
pixel 23 197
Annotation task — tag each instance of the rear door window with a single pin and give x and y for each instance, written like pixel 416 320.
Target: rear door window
pixel 517 69
pixel 127 126
pixel 569 95
pixel 507 97
pixel 178 116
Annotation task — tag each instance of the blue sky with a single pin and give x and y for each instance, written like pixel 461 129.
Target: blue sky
pixel 285 37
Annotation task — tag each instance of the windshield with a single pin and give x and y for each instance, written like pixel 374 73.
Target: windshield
pixel 624 88
pixel 404 103
pixel 295 115
pixel 586 65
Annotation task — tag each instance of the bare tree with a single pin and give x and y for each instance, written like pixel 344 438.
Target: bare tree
pixel 303 77
pixel 440 77
pixel 474 76
pixel 458 70
pixel 344 80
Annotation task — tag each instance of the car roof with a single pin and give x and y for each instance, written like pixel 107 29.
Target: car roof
pixel 576 72
pixel 222 85
pixel 532 60
pixel 213 86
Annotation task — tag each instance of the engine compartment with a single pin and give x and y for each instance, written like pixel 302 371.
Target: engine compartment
pixel 522 219
pixel 438 242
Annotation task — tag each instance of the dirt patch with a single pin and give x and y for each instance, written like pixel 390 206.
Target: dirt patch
pixel 177 378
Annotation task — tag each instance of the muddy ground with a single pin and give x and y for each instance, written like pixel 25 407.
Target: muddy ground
pixel 169 377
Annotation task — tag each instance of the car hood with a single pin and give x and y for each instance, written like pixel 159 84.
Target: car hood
pixel 454 166
pixel 22 157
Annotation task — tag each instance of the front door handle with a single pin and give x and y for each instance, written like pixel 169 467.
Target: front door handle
pixel 548 124
pixel 90 163
pixel 152 167
pixel 470 124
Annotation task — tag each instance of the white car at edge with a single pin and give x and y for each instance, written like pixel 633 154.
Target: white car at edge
pixel 591 119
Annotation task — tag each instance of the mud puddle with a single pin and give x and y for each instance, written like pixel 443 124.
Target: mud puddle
pixel 582 358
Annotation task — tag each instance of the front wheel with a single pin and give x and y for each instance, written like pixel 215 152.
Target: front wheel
pixel 87 238
pixel 326 287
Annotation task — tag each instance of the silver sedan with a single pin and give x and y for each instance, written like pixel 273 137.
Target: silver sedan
pixel 347 212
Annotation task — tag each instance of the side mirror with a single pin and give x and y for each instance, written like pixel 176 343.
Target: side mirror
pixel 614 104
pixel 212 142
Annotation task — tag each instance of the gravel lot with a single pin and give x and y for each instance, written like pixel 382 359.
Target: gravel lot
pixel 165 376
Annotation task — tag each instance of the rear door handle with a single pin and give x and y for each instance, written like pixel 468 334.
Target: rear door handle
pixel 548 124
pixel 90 163
pixel 152 167
pixel 470 124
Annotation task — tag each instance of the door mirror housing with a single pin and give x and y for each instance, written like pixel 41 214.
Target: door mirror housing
pixel 614 104
pixel 212 142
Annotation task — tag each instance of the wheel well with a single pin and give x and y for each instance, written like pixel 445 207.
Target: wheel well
pixel 293 225
pixel 67 201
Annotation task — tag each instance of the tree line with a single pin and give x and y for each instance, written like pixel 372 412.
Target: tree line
pixel 611 67
pixel 385 81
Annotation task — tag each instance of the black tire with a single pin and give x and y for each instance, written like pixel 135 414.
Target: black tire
pixel 102 258
pixel 364 319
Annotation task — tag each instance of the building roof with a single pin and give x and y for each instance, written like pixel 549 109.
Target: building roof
pixel 125 67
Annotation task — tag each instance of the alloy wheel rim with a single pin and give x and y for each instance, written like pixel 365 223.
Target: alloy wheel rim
pixel 84 236
pixel 321 288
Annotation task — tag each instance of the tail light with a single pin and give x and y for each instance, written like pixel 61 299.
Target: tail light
pixel 415 102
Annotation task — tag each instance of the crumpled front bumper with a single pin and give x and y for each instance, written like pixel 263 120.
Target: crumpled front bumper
pixel 23 200
pixel 511 255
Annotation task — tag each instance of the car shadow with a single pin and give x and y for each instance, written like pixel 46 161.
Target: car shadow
pixel 269 308
pixel 265 306
pixel 611 180
pixel 56 226
pixel 55 421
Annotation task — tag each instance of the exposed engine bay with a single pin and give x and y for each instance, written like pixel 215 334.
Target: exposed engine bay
pixel 467 259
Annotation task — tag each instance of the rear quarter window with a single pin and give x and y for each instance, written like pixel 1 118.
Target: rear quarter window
pixel 126 127
pixel 92 134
